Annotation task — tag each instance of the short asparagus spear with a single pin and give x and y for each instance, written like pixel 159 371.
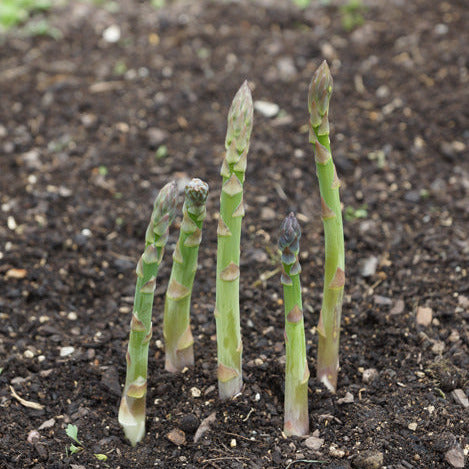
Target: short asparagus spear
pixel 132 406
pixel 176 326
pixel 229 345
pixel 320 91
pixel 296 421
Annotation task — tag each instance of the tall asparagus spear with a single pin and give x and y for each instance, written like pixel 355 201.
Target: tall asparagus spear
pixel 176 326
pixel 132 406
pixel 229 345
pixel 320 91
pixel 296 421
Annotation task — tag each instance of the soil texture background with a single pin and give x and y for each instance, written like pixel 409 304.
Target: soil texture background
pixel 128 97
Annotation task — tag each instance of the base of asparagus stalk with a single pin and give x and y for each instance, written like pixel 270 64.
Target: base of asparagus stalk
pixel 180 360
pixel 299 428
pixel 131 420
pixel 229 389
pixel 328 368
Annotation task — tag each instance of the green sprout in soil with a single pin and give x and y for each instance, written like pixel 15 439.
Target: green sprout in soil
pixel 132 407
pixel 15 12
pixel 334 274
pixel 351 213
pixel 176 326
pixel 72 432
pixel 352 14
pixel 229 345
pixel 296 421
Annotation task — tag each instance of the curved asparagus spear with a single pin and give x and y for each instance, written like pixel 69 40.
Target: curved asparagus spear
pixel 229 345
pixel 296 421
pixel 132 406
pixel 176 325
pixel 320 91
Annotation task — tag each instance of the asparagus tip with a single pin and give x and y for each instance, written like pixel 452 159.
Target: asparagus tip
pixel 197 191
pixel 320 89
pixel 290 233
pixel 166 200
pixel 240 115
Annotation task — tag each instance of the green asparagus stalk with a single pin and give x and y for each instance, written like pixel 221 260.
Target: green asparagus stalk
pixel 320 91
pixel 132 406
pixel 296 421
pixel 179 350
pixel 229 345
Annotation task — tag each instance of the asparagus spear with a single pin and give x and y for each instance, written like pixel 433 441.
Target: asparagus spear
pixel 296 421
pixel 132 406
pixel 320 91
pixel 229 345
pixel 176 326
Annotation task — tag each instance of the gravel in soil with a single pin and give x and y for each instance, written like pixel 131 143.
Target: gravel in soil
pixel 93 123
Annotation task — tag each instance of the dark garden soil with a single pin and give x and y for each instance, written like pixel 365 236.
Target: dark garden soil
pixel 91 129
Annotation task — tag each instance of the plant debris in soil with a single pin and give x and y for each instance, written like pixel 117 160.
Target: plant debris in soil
pixel 94 123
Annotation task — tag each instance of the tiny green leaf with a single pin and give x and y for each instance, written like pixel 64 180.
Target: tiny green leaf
pixel 101 457
pixel 103 170
pixel 74 449
pixel 355 213
pixel 72 432
pixel 161 152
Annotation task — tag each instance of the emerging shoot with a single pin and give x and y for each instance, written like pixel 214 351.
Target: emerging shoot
pixel 132 406
pixel 229 345
pixel 320 91
pixel 296 421
pixel 176 327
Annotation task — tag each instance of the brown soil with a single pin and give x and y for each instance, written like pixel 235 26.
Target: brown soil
pixel 80 124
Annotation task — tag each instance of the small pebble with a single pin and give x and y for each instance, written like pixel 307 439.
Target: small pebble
pixel 454 336
pixel 177 437
pixel 47 424
pixel 382 300
pixel 347 399
pixel 383 91
pixel 66 351
pixel 196 392
pixel 368 266
pixel 268 214
pixel 463 301
pixel 438 348
pixel 398 307
pixel 112 34
pixel 369 375
pixel 328 51
pixel 336 452
pixel 286 68
pixel 441 29
pixel 156 136
pixel 16 274
pixel 424 316
pixel 28 354
pixel 455 457
pixel 266 108
pixel 460 398
pixel 314 443
pixel 412 426
pixel 33 436
pixel 233 443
